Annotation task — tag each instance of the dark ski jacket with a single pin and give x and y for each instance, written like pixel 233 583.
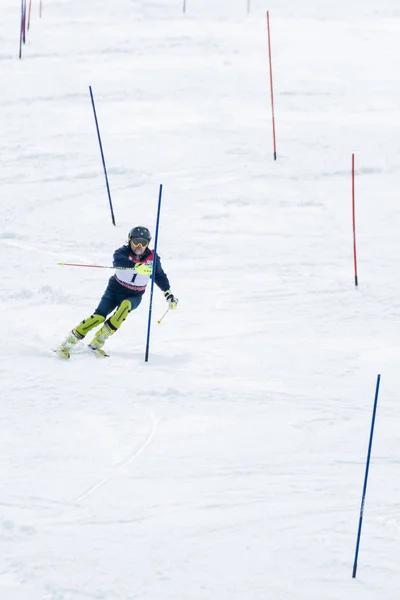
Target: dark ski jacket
pixel 124 257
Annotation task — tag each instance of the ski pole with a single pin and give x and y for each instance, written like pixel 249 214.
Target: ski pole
pixel 159 320
pixel 63 264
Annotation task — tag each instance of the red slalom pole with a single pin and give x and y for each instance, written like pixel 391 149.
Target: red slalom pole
pixel 271 86
pixel 354 220
pixel 29 13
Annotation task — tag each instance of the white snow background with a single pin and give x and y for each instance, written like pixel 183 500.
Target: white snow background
pixel 230 466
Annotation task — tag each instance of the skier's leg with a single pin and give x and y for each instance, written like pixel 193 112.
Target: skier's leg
pixel 78 333
pixel 87 325
pixel 111 325
pixel 107 303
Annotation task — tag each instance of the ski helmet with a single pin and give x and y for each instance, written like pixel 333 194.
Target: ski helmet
pixel 139 233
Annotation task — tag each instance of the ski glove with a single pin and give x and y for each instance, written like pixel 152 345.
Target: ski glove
pixel 171 299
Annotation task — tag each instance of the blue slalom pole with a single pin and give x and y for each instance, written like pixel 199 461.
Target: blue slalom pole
pixel 24 22
pixel 146 357
pixel 21 31
pixel 366 476
pixel 102 156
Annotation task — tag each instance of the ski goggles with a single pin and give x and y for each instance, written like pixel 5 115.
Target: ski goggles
pixel 139 242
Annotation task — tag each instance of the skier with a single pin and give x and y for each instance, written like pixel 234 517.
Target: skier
pixel 134 262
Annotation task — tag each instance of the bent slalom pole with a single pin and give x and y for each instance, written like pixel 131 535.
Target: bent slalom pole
pixel 146 356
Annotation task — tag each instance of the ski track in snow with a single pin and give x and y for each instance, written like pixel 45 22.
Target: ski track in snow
pixel 127 461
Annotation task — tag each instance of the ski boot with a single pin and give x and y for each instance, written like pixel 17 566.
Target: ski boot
pixel 97 343
pixel 64 348
pixel 110 326
pixel 77 334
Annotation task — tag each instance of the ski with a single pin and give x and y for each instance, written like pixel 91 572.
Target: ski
pixel 65 354
pixel 98 352
pixel 62 353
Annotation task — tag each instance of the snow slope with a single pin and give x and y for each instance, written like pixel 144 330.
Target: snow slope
pixel 230 466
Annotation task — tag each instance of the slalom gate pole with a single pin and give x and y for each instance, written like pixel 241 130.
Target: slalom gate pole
pixel 184 6
pixel 271 86
pixel 146 356
pixel 102 156
pixel 40 9
pixel 29 13
pixel 366 477
pixel 353 205
pixel 248 6
pixel 21 29
pixel 24 21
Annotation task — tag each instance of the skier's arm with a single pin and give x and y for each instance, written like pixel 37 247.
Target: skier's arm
pixel 160 278
pixel 162 281
pixel 120 258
